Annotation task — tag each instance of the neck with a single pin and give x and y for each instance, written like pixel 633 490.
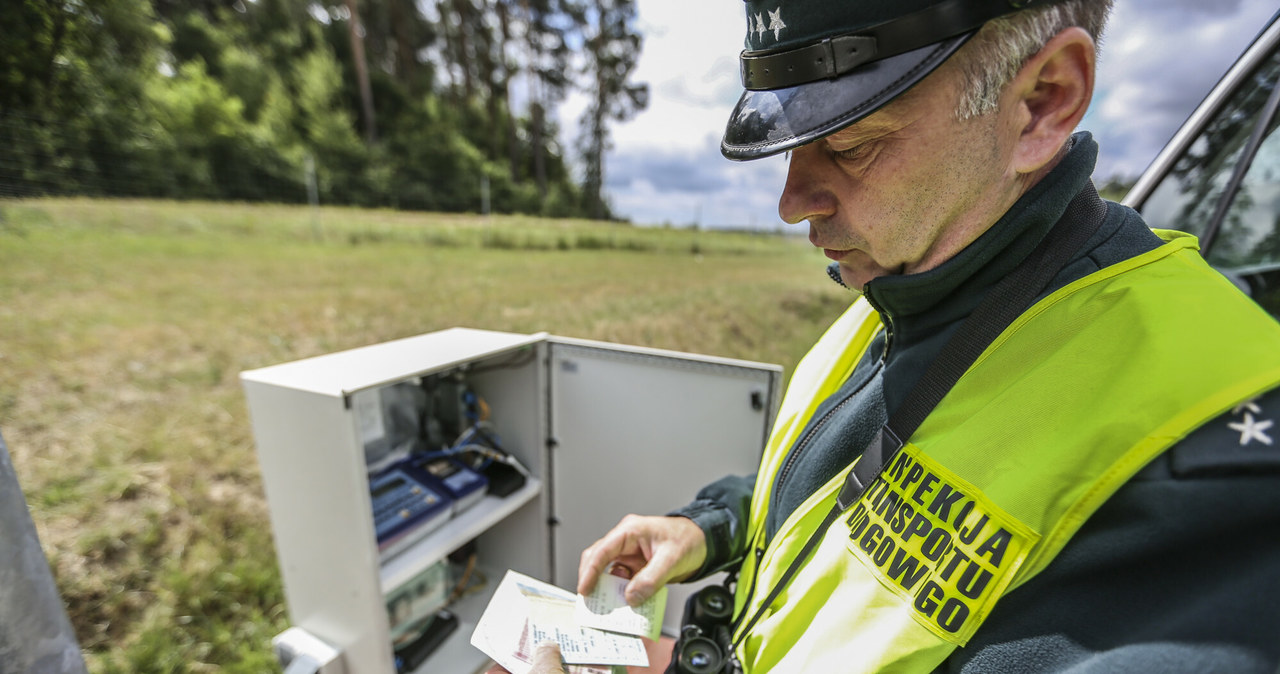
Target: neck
pixel 984 210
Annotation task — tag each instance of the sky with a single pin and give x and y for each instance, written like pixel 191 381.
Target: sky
pixel 1159 58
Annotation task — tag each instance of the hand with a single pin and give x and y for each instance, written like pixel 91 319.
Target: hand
pixel 546 660
pixel 652 551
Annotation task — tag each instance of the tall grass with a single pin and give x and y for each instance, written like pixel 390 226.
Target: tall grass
pixel 124 325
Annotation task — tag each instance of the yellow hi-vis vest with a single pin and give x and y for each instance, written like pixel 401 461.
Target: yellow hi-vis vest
pixel 1077 395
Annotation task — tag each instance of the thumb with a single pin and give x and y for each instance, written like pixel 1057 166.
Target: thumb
pixel 650 578
pixel 546 660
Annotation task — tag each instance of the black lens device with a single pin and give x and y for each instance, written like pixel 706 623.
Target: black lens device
pixel 705 643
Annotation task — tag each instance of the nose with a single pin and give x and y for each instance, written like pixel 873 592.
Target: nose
pixel 805 195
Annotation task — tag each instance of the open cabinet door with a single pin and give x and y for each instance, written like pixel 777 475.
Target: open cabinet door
pixel 641 431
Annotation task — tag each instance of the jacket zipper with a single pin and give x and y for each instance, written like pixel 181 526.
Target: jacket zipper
pixel 884 357
pixel 786 467
pixel 804 442
pixel 887 320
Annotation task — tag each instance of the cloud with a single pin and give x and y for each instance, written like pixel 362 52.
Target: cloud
pixel 666 165
pixel 682 172
pixel 1159 59
pixel 697 186
pixel 719 86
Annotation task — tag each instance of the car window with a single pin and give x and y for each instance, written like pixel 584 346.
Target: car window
pixel 1247 245
pixel 1249 235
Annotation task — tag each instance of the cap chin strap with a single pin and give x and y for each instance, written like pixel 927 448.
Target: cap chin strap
pixel 835 56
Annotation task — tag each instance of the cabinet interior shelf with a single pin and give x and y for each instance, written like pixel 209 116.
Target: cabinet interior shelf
pixel 469 524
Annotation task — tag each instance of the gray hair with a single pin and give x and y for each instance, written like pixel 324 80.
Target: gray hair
pixel 992 57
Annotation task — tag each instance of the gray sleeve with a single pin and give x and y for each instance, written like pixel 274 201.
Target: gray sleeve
pixel 1175 573
pixel 35 635
pixel 721 509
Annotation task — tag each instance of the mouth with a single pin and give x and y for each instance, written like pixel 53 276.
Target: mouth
pixel 815 240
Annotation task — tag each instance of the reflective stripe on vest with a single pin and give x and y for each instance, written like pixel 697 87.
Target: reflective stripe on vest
pixel 1072 400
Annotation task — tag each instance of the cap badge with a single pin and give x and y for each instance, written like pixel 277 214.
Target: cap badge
pixel 757 26
pixel 775 22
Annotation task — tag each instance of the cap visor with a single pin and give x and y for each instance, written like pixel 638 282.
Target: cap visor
pixel 765 123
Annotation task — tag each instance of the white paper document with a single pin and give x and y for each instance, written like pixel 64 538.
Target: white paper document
pixel 525 612
pixel 606 608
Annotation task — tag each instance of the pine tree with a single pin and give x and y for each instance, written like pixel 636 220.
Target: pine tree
pixel 612 50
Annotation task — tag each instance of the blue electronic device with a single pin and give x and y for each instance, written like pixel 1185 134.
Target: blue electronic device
pixel 465 486
pixel 406 507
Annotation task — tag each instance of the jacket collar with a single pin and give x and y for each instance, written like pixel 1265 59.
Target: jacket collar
pixel 951 290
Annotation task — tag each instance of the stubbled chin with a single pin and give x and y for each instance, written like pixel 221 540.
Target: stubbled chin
pixel 855 279
pixel 858 269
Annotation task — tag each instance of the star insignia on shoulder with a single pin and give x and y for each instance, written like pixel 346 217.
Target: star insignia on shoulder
pixel 775 22
pixel 759 29
pixel 1250 405
pixel 1252 429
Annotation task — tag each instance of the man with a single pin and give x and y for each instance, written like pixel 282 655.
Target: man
pixel 1097 492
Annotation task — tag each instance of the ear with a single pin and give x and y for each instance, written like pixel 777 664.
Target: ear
pixel 1051 94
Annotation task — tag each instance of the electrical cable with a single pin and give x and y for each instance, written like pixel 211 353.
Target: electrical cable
pixel 460 588
pixel 522 357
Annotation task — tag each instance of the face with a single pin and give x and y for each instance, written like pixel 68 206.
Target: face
pixel 906 188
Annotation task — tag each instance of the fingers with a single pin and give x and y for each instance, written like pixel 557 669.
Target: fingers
pixel 652 551
pixel 653 576
pixel 546 660
pixel 601 554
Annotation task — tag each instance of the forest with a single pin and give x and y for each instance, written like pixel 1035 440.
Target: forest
pixel 438 105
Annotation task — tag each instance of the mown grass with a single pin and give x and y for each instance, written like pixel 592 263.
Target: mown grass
pixel 124 325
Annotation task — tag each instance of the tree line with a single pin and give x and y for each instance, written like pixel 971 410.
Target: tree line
pixel 413 104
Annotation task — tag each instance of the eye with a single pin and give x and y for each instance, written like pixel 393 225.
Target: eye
pixel 851 154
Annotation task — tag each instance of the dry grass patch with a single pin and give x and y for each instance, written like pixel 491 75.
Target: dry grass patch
pixel 124 326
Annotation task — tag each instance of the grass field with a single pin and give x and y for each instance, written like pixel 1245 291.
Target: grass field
pixel 124 325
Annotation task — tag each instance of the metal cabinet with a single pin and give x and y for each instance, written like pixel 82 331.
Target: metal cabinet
pixel 603 429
